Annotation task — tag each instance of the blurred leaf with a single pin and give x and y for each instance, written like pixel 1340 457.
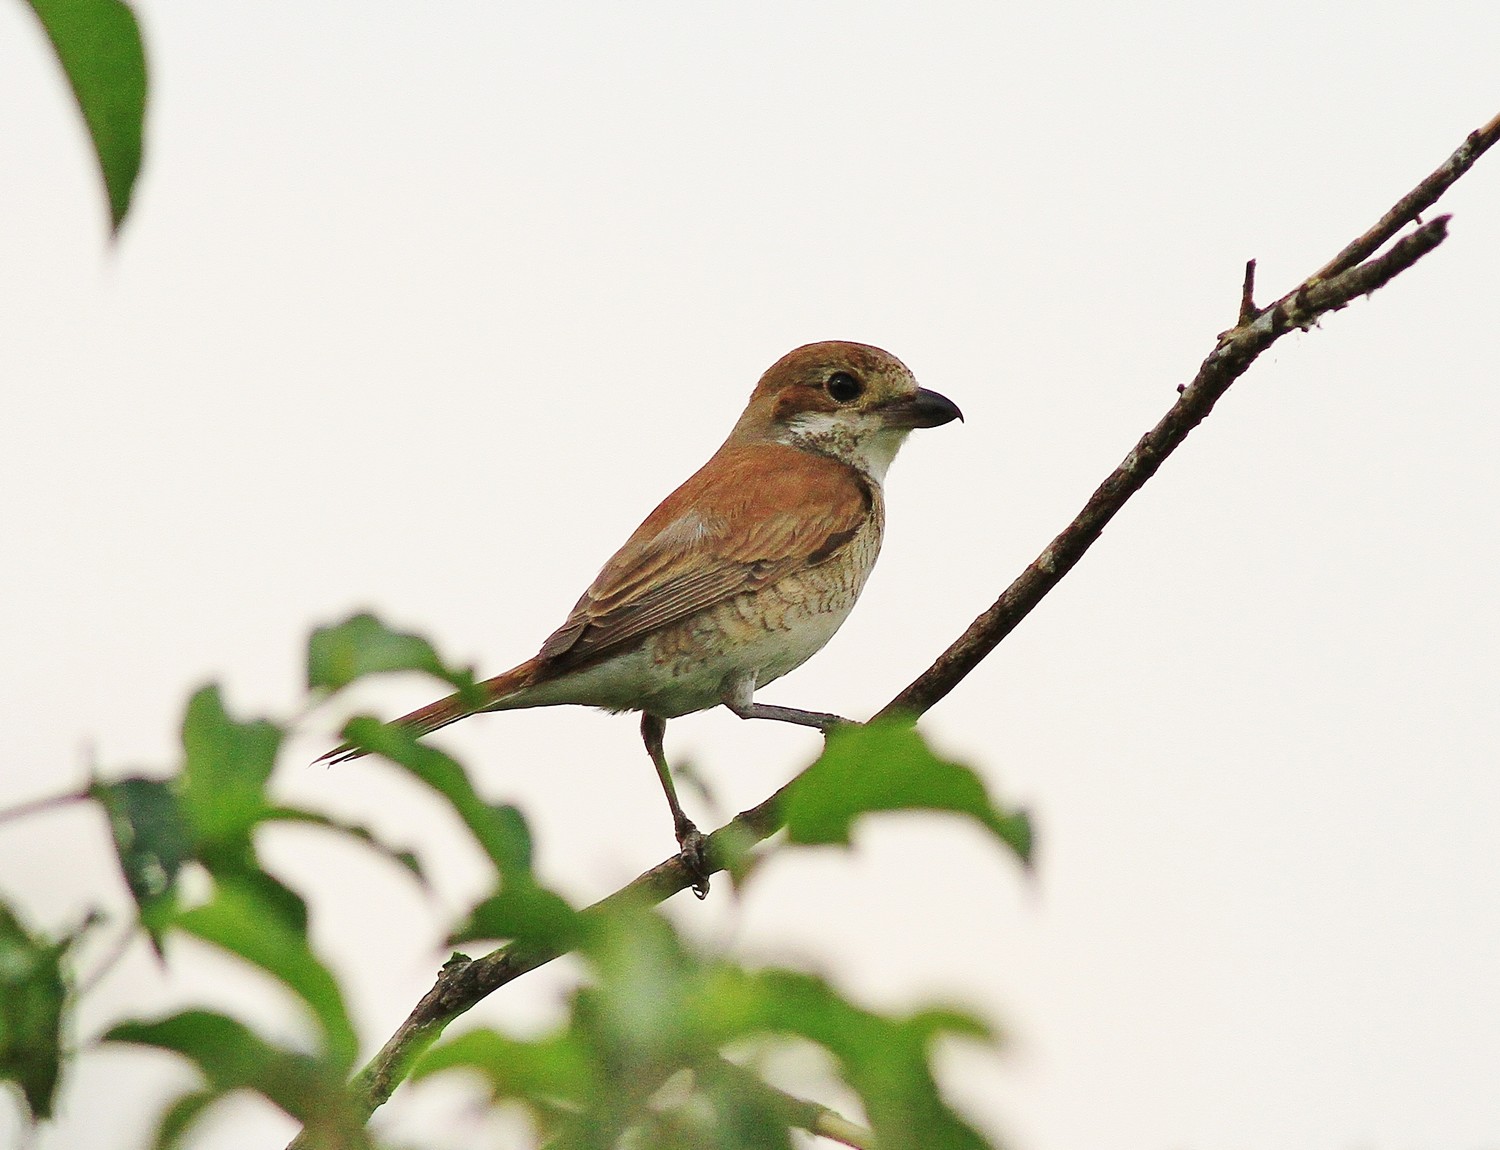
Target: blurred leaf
pixel 407 860
pixel 887 1060
pixel 733 848
pixel 99 46
pixel 749 1113
pixel 644 1000
pixel 727 1107
pixel 500 830
pixel 587 1084
pixel 363 645
pixel 223 782
pixel 549 1070
pixel 251 916
pixel 278 902
pixel 153 840
pixel 522 909
pixel 616 1074
pixel 524 912
pixel 714 1113
pixel 32 997
pixel 744 1119
pixel 886 766
pixel 178 1118
pixel 231 1056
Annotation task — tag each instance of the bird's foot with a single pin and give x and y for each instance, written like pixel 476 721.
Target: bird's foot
pixel 693 851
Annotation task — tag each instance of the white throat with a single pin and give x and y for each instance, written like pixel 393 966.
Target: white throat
pixel 862 441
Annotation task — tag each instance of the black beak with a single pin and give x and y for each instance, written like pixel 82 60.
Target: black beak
pixel 925 409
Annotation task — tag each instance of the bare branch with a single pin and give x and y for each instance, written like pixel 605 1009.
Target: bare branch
pixel 1237 349
pixel 1330 288
pixel 1411 206
pixel 1352 273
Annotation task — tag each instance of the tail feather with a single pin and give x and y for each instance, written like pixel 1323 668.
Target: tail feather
pixel 435 716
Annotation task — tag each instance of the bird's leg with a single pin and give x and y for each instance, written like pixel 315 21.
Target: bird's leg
pixel 689 839
pixel 742 702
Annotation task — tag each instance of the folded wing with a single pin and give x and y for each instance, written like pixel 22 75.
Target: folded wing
pixel 755 515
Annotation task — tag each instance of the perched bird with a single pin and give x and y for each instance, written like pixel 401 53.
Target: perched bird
pixel 742 573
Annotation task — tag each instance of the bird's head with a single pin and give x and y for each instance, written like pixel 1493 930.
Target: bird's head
pixel 851 401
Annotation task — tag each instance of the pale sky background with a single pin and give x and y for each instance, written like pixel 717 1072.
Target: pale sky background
pixel 422 307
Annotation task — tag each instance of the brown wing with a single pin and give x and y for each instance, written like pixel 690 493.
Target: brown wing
pixel 751 515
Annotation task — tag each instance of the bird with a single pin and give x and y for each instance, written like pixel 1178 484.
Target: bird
pixel 740 575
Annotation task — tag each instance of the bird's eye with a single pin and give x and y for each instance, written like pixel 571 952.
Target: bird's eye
pixel 843 387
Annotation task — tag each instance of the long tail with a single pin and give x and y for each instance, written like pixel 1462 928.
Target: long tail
pixel 450 710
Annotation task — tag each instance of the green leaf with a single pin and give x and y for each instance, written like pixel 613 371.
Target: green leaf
pixel 407 860
pixel 153 840
pixel 500 830
pixel 555 1068
pixel 748 1113
pixel 231 1056
pixel 886 766
pixel 525 912
pixel 223 781
pixel 887 1060
pixel 178 1118
pixel 264 923
pixel 655 1008
pixel 279 902
pixel 363 645
pixel 32 997
pixel 733 847
pixel 718 1112
pixel 99 46
pixel 522 909
pixel 645 1005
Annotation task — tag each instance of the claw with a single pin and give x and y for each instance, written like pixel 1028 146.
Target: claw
pixel 694 856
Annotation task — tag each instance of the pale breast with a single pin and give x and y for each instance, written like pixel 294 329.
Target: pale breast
pixel 764 634
pixel 759 636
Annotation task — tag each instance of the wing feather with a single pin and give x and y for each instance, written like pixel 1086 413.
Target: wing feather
pixel 749 517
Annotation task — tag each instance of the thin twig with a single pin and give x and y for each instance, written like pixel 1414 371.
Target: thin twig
pixel 463 983
pixel 1410 206
pixel 111 959
pixel 1247 299
pixel 36 806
